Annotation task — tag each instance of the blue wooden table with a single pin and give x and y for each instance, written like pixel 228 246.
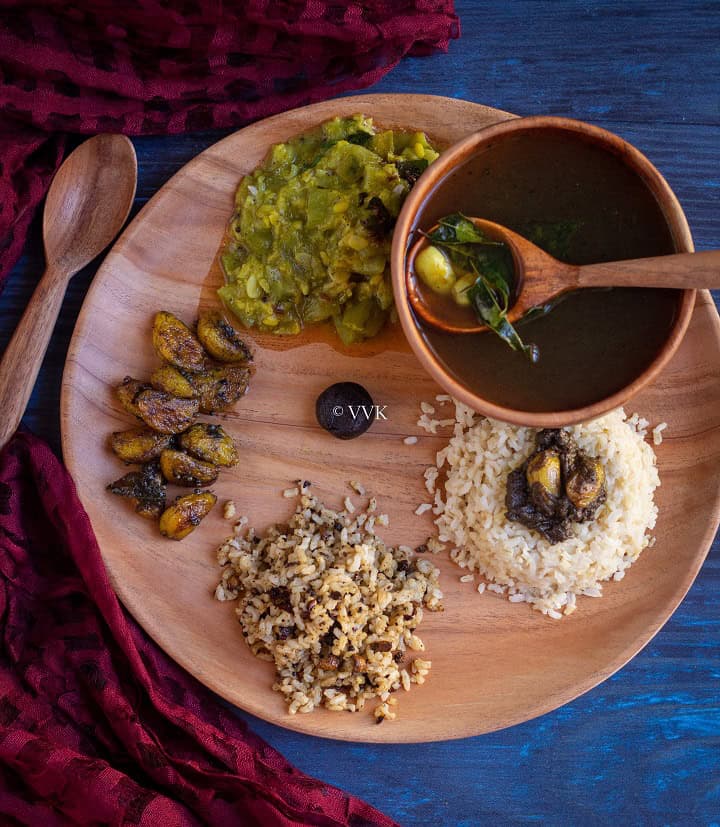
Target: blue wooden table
pixel 643 747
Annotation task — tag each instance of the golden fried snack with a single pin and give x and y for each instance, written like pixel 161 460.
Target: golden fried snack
pixel 165 413
pixel 146 488
pixel 182 469
pixel 175 343
pixel 185 514
pixel 138 445
pixel 172 381
pixel 209 443
pixel 127 392
pixel 220 338
pixel 219 388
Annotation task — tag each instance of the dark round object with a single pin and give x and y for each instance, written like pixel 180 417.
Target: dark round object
pixel 345 409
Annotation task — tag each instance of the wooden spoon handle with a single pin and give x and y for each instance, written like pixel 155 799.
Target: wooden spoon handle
pixel 682 270
pixel 24 355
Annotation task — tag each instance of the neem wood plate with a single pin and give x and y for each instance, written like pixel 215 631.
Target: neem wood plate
pixel 494 663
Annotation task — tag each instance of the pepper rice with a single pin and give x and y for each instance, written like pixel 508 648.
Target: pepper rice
pixel 332 606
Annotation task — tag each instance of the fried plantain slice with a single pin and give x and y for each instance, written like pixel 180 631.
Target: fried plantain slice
pixel 220 338
pixel 209 443
pixel 175 343
pixel 138 445
pixel 169 379
pixel 220 387
pixel 165 413
pixel 182 469
pixel 127 392
pixel 146 488
pixel 185 514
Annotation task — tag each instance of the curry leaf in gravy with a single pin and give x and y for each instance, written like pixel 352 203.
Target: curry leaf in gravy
pixel 554 237
pixel 470 249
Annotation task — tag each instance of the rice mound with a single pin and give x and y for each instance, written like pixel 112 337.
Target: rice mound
pixel 518 561
pixel 331 605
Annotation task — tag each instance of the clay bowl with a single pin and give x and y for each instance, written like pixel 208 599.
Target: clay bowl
pixel 539 175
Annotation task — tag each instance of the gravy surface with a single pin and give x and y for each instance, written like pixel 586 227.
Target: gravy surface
pixel 594 342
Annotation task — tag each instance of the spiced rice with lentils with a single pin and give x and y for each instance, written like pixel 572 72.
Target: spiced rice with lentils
pixel 332 606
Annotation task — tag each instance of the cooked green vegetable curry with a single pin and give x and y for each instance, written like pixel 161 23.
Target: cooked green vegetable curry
pixel 310 236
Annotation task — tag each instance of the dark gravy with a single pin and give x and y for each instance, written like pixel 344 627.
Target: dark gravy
pixel 594 342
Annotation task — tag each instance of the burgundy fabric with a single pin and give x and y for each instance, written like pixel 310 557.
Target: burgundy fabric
pixel 162 66
pixel 97 724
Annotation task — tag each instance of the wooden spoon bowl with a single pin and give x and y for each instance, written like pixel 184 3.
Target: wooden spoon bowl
pixel 540 279
pixel 88 202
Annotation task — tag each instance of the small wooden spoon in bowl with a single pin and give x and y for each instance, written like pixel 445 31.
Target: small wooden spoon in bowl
pixel 88 202
pixel 540 279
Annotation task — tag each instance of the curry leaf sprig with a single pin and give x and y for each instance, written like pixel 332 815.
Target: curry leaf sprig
pixel 492 265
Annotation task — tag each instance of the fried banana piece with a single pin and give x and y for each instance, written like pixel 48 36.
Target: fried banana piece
pixel 172 381
pixel 221 387
pixel 175 343
pixel 209 443
pixel 220 338
pixel 165 413
pixel 138 445
pixel 127 392
pixel 185 514
pixel 146 488
pixel 182 469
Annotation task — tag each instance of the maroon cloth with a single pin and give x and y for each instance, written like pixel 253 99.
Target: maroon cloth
pixel 97 724
pixel 155 66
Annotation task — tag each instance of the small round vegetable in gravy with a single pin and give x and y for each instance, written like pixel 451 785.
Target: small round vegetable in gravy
pixel 468 269
pixel 558 485
pixel 345 409
pixel 434 268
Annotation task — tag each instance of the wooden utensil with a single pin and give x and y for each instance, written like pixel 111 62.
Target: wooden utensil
pixel 494 663
pixel 542 279
pixel 88 202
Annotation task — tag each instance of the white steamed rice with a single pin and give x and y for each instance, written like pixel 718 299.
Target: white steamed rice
pixel 519 562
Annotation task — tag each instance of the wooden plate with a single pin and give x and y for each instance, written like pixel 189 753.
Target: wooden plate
pixel 494 663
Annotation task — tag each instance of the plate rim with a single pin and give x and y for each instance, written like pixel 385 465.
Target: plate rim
pixel 704 303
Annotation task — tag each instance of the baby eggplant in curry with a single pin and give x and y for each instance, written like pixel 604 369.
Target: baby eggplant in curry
pixel 557 486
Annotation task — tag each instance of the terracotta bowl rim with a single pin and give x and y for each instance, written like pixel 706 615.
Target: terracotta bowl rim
pixel 443 166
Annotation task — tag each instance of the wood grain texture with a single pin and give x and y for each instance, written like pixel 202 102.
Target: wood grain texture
pixel 88 202
pixel 643 748
pixel 166 259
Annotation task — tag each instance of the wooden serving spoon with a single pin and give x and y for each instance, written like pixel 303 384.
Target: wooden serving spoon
pixel 87 204
pixel 540 278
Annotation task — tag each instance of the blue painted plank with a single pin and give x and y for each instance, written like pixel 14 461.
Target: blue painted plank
pixel 644 747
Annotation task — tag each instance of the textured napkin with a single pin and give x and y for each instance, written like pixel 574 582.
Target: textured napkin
pixel 97 724
pixel 154 67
